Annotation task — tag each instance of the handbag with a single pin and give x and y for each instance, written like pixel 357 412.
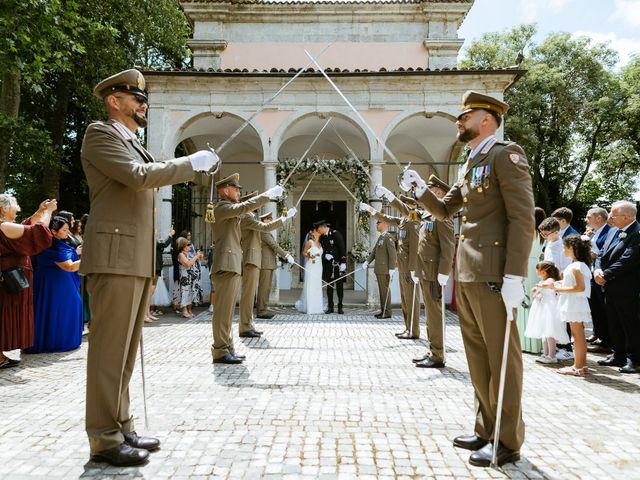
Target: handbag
pixel 13 280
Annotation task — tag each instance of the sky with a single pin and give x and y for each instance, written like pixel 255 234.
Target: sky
pixel 613 21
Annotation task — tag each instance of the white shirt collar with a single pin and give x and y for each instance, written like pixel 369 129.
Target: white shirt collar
pixel 480 146
pixel 124 130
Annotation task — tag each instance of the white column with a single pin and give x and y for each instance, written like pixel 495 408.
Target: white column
pixel 375 170
pixel 270 181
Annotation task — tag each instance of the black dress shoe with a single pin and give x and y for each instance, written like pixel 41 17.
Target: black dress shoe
pixel 469 442
pixel 265 315
pixel 259 332
pixel 381 317
pixel 407 336
pixel 483 457
pixel 598 348
pixel 592 339
pixel 429 363
pixel 378 315
pixel 329 310
pixel 630 367
pixel 612 362
pixel 419 359
pixel 340 311
pixel 401 333
pixel 146 443
pixel 122 456
pixel 250 334
pixel 228 358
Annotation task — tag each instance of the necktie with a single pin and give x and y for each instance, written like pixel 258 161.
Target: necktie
pixel 602 238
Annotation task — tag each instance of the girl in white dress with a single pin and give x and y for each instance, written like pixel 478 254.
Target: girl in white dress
pixel 543 319
pixel 573 301
pixel 310 301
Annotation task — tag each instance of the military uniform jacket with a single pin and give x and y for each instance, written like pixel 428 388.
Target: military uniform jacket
pixel 385 255
pixel 120 235
pixel 227 234
pixel 497 224
pixel 435 248
pixel 269 251
pixel 333 244
pixel 407 251
pixel 250 230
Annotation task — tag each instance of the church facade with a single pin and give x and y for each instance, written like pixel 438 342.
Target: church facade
pixel 393 60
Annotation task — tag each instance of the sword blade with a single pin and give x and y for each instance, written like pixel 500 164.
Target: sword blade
pixel 344 186
pixel 306 152
pixel 144 383
pixel 305 189
pixel 352 153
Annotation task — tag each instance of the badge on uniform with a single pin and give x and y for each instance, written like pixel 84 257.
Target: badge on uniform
pixel 402 233
pixel 514 157
pixel 380 243
pixel 429 226
pixel 480 177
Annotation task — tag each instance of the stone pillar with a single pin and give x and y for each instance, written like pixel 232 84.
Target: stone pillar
pixel 375 170
pixel 206 52
pixel 270 180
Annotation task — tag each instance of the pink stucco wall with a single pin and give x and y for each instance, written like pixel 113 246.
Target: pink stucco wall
pixel 371 56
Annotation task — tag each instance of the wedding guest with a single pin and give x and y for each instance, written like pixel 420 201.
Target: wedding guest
pixel 17 243
pixel 56 295
pixel 71 220
pixel 564 216
pixel 161 245
pixel 190 291
pixel 619 274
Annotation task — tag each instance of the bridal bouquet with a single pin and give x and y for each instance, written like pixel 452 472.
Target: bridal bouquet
pixel 313 253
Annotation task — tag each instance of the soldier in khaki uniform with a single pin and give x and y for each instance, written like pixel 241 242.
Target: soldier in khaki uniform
pixel 251 230
pixel 118 259
pixel 407 255
pixel 385 255
pixel 495 195
pixel 269 251
pixel 227 260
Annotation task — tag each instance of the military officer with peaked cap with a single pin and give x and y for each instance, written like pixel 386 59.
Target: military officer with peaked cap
pixel 270 249
pixel 227 260
pixel 407 255
pixel 384 254
pixel 118 258
pixel 495 195
pixel 250 229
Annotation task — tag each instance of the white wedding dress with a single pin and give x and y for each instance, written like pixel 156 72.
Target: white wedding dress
pixel 310 301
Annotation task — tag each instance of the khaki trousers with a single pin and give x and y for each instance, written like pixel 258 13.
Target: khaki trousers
pixel 483 322
pixel 226 285
pixel 385 294
pixel 264 289
pixel 407 290
pixel 250 276
pixel 432 294
pixel 118 306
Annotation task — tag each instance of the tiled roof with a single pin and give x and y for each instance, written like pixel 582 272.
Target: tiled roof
pixel 288 2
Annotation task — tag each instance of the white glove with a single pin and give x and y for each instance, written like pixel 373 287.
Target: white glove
pixel 343 268
pixel 512 293
pixel 274 192
pixel 392 272
pixel 410 178
pixel 413 277
pixel 365 265
pixel 203 160
pixel 385 193
pixel 443 279
pixel 366 208
pixel 328 257
pixel 289 259
pixel 291 212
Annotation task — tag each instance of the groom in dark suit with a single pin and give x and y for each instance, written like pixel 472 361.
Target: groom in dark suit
pixel 619 275
pixel 334 262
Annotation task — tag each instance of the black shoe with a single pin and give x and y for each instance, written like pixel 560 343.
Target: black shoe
pixel 265 315
pixel 378 315
pixel 329 310
pixel 630 367
pixel 241 357
pixel 340 311
pixel 483 457
pixel 469 442
pixel 146 443
pixel 381 317
pixel 401 333
pixel 228 358
pixel 257 331
pixel 612 361
pixel 250 334
pixel 592 339
pixel 598 348
pixel 419 359
pixel 407 336
pixel 122 456
pixel 429 363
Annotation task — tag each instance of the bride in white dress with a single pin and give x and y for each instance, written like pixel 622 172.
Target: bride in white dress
pixel 310 301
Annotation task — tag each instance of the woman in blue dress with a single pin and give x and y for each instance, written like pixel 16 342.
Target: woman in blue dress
pixel 56 295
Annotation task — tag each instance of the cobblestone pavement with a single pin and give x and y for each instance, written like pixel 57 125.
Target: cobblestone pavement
pixel 325 396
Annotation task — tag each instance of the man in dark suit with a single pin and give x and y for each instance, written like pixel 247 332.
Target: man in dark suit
pixel 619 274
pixel 334 262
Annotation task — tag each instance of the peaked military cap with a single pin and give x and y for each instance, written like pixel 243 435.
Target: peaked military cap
pixel 247 196
pixel 130 81
pixel 266 215
pixel 231 181
pixel 436 182
pixel 474 100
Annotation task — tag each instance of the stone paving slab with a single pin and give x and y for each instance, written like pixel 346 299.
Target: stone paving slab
pixel 322 396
